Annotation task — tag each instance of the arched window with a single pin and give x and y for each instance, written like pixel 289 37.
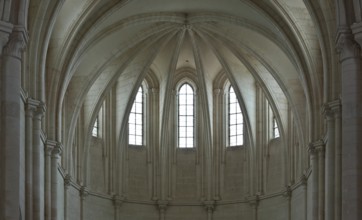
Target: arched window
pixel 275 128
pixel 235 120
pixel 135 120
pixel 186 117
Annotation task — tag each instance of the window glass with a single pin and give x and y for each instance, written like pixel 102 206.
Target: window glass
pixel 135 120
pixel 235 120
pixel 95 129
pixel 275 128
pixel 186 116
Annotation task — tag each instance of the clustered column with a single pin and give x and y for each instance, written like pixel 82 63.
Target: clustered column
pixel 316 151
pixel 30 108
pixel 162 206
pixel 38 165
pixel 55 160
pixel 333 160
pixel 350 62
pixel 11 130
pixel 117 202
pixel 209 206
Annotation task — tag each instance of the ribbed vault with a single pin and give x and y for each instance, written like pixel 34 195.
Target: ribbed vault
pixel 93 51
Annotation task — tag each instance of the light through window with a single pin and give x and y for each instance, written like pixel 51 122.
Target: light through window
pixel 275 128
pixel 135 121
pixel 236 121
pixel 186 116
pixel 95 128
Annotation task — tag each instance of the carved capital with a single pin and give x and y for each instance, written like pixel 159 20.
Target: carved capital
pixel 83 192
pixel 316 147
pixel 209 205
pixel 5 31
pixel 31 106
pixel 253 201
pixel 311 150
pixel 357 32
pixel 49 146
pixel 288 192
pixel 40 110
pixel 217 92
pixel 162 205
pixel 67 181
pixel 332 109
pixel 117 200
pixel 327 112
pixel 17 42
pixel 154 91
pixel 346 46
pixel 304 180
pixel 57 150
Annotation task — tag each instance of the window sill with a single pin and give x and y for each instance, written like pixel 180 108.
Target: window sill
pixel 234 147
pixel 186 149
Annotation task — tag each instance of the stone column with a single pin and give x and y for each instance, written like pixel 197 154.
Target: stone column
pixel 38 165
pixel 304 183
pixel 350 60
pixel 314 183
pixel 153 133
pixel 210 207
pixel 338 162
pixel 288 196
pixel 218 146
pixel 49 146
pixel 5 30
pixel 321 179
pixel 55 159
pixel 30 108
pixel 330 162
pixel 162 206
pixel 11 130
pixel 117 202
pixel 254 202
pixel 67 183
pixel 83 193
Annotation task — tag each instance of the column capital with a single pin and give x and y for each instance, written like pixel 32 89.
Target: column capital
pixel 31 106
pixel 48 149
pixel 253 200
pixel 346 46
pixel 5 30
pixel 357 32
pixel 57 150
pixel 332 109
pixel 288 192
pixel 83 192
pixel 154 90
pixel 117 200
pixel 162 205
pixel 209 205
pixel 67 181
pixel 36 106
pixel 316 146
pixel 304 179
pixel 41 109
pixel 217 92
pixel 17 42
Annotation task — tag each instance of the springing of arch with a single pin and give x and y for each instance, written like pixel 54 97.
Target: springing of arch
pixel 186 116
pixel 235 120
pixel 135 120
